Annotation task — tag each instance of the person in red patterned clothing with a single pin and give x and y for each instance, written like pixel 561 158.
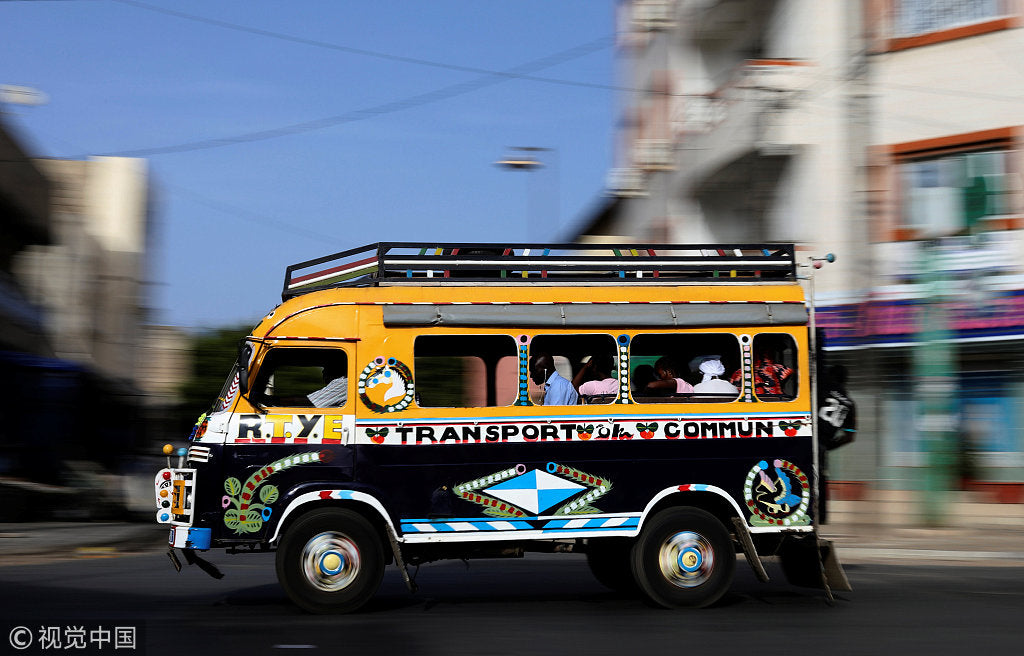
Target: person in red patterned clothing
pixel 768 376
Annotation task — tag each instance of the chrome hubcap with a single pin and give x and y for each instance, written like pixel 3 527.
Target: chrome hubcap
pixel 686 559
pixel 330 561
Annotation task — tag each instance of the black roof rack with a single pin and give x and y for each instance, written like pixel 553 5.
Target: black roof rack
pixel 398 263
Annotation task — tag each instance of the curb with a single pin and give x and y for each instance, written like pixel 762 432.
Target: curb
pixel 83 539
pixel 861 555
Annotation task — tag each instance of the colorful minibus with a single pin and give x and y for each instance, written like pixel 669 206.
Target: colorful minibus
pixel 648 405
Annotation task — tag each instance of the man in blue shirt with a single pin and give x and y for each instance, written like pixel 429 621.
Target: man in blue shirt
pixel 557 389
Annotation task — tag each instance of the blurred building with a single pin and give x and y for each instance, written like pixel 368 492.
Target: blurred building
pixel 887 132
pixel 73 292
pixel 24 222
pixel 946 217
pixel 165 363
pixel 92 280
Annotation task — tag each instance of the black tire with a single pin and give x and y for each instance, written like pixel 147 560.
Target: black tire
pixel 684 558
pixel 330 561
pixel 608 559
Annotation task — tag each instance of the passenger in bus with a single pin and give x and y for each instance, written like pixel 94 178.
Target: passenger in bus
pixel 768 375
pixel 593 378
pixel 642 374
pixel 557 389
pixel 335 390
pixel 711 367
pixel 666 380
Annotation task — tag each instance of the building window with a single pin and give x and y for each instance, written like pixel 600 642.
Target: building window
pixel 913 17
pixel 945 195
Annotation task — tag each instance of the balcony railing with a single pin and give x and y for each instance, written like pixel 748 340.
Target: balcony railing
pixel 649 15
pixel 771 84
pixel 626 182
pixel 653 154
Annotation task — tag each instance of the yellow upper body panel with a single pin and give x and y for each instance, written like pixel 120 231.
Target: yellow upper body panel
pixel 358 315
pixel 333 313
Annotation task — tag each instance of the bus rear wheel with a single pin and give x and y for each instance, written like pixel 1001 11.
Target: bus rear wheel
pixel 684 558
pixel 330 561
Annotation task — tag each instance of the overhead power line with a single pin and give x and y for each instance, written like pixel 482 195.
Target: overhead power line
pixel 372 53
pixel 488 77
pixel 249 216
pixel 410 102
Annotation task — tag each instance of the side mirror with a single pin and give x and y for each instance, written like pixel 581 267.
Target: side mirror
pixel 244 355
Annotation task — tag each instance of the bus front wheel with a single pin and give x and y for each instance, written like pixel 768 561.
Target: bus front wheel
pixel 330 561
pixel 684 557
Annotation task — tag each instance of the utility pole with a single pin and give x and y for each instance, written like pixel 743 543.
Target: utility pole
pixel 934 365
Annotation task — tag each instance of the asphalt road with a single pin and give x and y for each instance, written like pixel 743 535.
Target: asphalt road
pixel 543 604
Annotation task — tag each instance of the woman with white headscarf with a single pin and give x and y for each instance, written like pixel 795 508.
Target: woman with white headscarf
pixel 712 368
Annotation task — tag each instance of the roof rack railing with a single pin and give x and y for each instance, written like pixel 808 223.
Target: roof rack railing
pixel 398 263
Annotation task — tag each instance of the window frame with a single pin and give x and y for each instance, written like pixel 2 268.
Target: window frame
pixel 951 167
pixel 793 376
pixel 1005 16
pixel 491 369
pixel 585 344
pixel 893 227
pixel 735 355
pixel 268 357
pixel 903 8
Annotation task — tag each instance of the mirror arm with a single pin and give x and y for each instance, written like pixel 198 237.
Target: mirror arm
pixel 244 353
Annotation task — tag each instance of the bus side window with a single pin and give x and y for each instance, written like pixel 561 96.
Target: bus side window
pixel 465 371
pixel 683 367
pixel 775 364
pixel 586 361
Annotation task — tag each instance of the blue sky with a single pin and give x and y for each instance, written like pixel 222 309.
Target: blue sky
pixel 124 78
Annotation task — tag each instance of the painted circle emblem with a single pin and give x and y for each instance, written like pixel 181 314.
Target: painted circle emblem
pixel 386 385
pixel 778 494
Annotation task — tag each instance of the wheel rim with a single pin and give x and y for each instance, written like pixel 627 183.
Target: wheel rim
pixel 686 559
pixel 330 561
